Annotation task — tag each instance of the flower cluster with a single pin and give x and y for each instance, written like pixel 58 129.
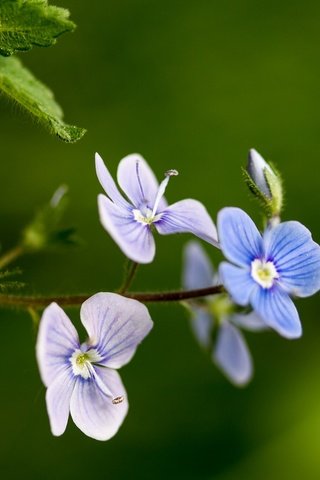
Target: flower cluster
pixel 263 271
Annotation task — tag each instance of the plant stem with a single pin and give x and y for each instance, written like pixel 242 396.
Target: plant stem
pixel 25 302
pixel 10 256
pixel 130 274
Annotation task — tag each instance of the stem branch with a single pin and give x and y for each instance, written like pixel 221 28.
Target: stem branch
pixel 10 256
pixel 130 274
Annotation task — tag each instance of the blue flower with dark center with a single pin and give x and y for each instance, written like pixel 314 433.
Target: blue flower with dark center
pixel 268 268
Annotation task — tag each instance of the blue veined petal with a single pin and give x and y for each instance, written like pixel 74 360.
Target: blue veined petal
pixel 188 216
pixel 232 356
pixel 134 238
pixel 278 311
pixel 93 411
pixel 115 325
pixel 249 321
pixel 202 325
pixel 239 238
pixel 238 282
pixel 296 257
pixel 58 400
pixel 138 182
pixel 108 184
pixel 198 271
pixel 57 340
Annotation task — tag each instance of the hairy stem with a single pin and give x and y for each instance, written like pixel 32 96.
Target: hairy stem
pixel 130 274
pixel 10 256
pixel 27 302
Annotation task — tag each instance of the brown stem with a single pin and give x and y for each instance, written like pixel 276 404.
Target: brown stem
pixel 18 301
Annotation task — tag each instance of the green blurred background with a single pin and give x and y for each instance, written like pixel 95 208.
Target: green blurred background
pixel 190 85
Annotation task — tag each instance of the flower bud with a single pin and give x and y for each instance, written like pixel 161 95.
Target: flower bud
pixel 45 231
pixel 265 183
pixel 256 168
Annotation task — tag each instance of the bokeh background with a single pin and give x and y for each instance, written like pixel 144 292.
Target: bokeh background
pixel 191 85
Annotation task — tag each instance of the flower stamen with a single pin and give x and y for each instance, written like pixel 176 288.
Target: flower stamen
pixel 82 362
pixel 264 273
pixel 147 216
pixel 162 187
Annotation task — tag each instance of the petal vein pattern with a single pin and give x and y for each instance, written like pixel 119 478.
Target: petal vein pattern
pixel 285 261
pixel 130 224
pixel 81 378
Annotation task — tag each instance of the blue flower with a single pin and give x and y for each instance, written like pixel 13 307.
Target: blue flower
pixel 129 222
pixel 81 378
pixel 215 321
pixel 268 269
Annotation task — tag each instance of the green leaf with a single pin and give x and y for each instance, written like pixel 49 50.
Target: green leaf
pixel 26 23
pixel 20 85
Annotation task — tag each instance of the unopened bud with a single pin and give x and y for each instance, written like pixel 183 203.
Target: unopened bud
pixel 264 182
pixel 257 168
pixel 45 230
pixel 58 195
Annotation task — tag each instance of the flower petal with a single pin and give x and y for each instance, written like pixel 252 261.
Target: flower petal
pixel 108 183
pixel 296 257
pixel 93 411
pixel 138 181
pixel 115 325
pixel 202 325
pixel 238 282
pixel 134 238
pixel 249 321
pixel 188 216
pixel 58 400
pixel 231 354
pixel 278 311
pixel 57 340
pixel 239 238
pixel 198 271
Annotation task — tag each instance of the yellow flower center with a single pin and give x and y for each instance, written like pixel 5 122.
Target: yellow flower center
pixel 81 362
pixel 264 273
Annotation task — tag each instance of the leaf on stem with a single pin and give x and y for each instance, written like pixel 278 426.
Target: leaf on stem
pixel 20 85
pixel 28 23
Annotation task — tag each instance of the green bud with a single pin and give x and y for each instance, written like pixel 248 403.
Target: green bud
pixel 265 183
pixel 45 229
